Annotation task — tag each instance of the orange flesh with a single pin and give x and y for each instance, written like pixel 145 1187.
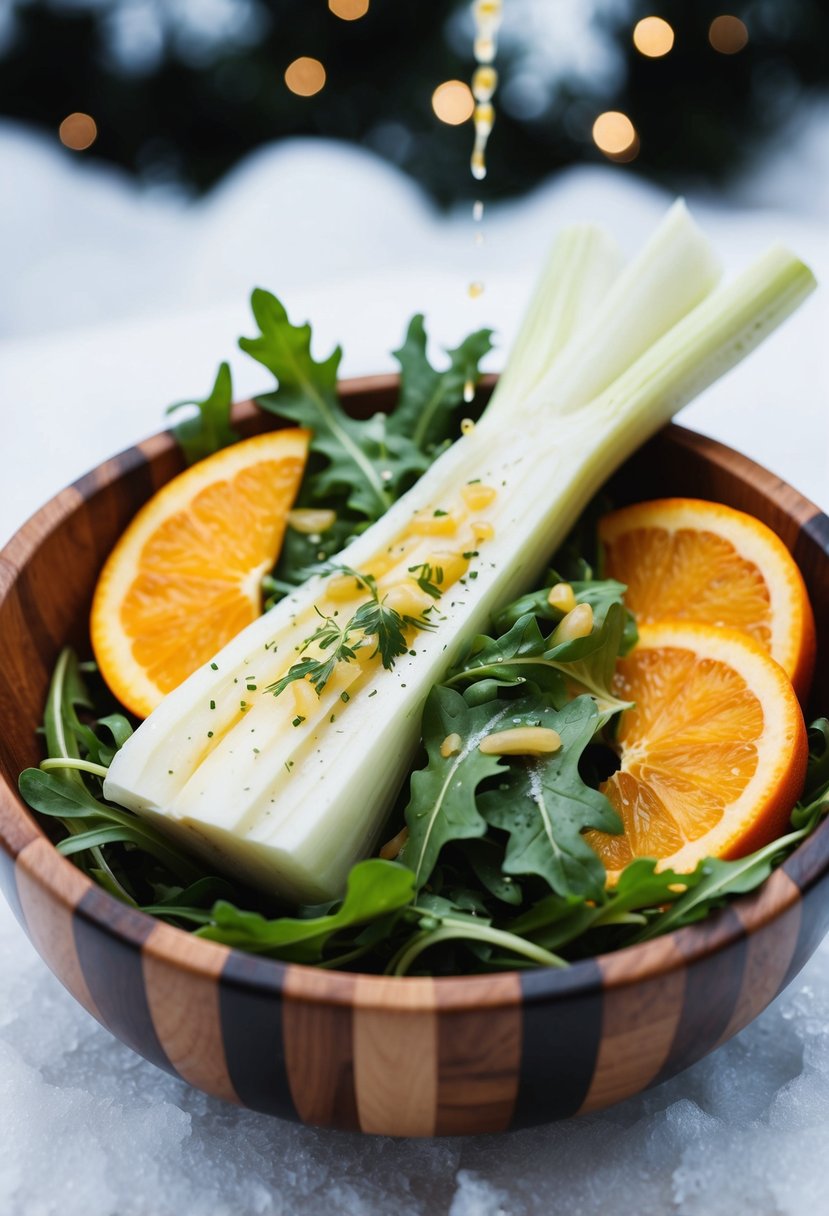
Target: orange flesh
pixel 184 578
pixel 688 750
pixel 691 575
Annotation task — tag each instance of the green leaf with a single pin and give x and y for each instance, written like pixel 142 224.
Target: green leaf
pixel 510 661
pixel 599 593
pixel 817 772
pixel 524 654
pixel 209 429
pixel 486 858
pixel 715 880
pixel 590 663
pixel 361 460
pixel 375 889
pixel 429 398
pixel 52 794
pixel 442 805
pixel 544 805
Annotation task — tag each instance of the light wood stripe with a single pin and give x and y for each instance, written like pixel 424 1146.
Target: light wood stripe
pixel 479 1056
pixel 395 1037
pixel 319 1052
pixel 183 999
pixel 50 889
pixel 640 1017
pixel 773 917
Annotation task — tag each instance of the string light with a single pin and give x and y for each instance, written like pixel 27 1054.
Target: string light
pixel 728 34
pixel 653 37
pixel 78 131
pixel 615 135
pixel 453 102
pixel 349 10
pixel 305 76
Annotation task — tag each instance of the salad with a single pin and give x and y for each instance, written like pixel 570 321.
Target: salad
pixel 434 751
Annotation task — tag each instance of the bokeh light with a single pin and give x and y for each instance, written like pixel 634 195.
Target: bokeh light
pixel 615 135
pixel 728 34
pixel 78 131
pixel 453 102
pixel 653 37
pixel 349 10
pixel 305 76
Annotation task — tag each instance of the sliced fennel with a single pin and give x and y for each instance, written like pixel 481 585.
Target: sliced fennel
pixel 289 791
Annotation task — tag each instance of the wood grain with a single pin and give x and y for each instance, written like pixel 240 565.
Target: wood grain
pixel 317 1027
pixel 641 1008
pixel 395 1034
pixel 49 891
pixel 181 982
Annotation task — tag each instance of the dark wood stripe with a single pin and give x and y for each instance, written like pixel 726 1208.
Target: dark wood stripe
pixel 807 868
pixel 395 1055
pixel 815 530
pixel 560 1043
pixel 317 1025
pixel 772 919
pixel 644 993
pixel 479 1055
pixel 49 889
pixel 716 965
pixel 181 978
pixel 108 939
pixel 8 884
pixel 250 1006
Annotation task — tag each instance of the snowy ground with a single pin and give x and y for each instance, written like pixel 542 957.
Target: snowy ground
pixel 113 305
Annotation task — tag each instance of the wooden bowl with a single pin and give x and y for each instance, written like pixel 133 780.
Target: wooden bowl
pixel 406 1057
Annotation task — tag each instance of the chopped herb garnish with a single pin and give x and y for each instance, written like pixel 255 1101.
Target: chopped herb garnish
pixel 428 578
pixel 298 720
pixel 212 704
pixel 215 666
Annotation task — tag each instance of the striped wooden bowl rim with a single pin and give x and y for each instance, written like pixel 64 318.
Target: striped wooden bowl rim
pixel 54 878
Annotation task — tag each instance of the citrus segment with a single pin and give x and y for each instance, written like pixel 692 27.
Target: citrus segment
pixel 713 754
pixel 185 576
pixel 686 559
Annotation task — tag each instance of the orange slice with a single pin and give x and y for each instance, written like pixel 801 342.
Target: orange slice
pixel 684 559
pixel 713 755
pixel 185 576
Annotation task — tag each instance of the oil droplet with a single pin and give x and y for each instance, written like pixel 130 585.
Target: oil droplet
pixel 477 211
pixel 484 83
pixel 487 18
pixel 467 425
pixel 474 290
pixel 468 396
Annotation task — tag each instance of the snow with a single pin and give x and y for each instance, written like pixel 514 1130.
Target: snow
pixel 117 302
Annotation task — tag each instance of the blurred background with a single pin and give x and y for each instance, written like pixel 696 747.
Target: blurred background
pixel 159 158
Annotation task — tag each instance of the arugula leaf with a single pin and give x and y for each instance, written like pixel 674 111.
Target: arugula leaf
pixel 817 771
pixel 599 593
pixel 375 889
pixel 442 806
pixel 525 654
pixel 364 461
pixel 545 806
pixel 715 880
pixel 429 398
pixel 590 663
pixel 208 430
pixel 511 660
pixel 486 859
